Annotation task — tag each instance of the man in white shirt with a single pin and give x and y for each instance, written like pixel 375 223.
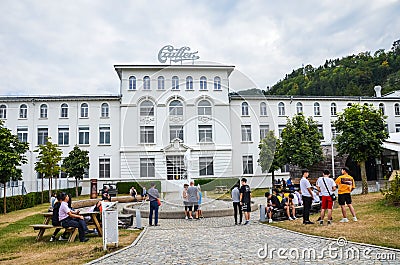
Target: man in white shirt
pixel 307 196
pixel 326 187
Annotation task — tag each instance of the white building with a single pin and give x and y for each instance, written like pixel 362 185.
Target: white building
pixel 171 123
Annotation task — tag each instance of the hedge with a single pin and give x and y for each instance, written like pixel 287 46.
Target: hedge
pixel 209 184
pixel 124 187
pixel 31 199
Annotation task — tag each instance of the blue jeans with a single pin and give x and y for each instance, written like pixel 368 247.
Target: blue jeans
pixel 80 224
pixel 153 207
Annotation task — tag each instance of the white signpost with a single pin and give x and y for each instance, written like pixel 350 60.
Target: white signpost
pixel 110 224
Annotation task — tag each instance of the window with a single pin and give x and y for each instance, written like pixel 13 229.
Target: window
pixel 3 111
pixel 63 136
pixel 43 111
pixel 105 110
pixel 333 109
pixel 23 111
pixel 22 134
pixel 321 131
pixel 247 164
pixel 175 83
pixel 382 108
pixel 317 109
pixel 206 166
pixel 104 131
pixel 147 168
pixel 147 108
pixel 84 135
pixel 175 131
pixel 397 109
pixel 43 134
pixel 217 83
pixel 189 83
pixel 161 83
pixel 132 83
pixel 204 108
pixel 146 134
pixel 245 109
pixel 246 133
pixel 334 132
pixel 281 109
pixel 84 110
pixel 263 109
pixel 176 168
pixel 263 131
pixel 203 83
pixel 176 108
pixel 280 130
pixel 299 107
pixel 146 83
pixel 64 110
pixel 397 127
pixel 205 134
pixel 104 168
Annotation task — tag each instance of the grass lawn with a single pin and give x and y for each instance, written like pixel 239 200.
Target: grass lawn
pixel 377 224
pixel 18 245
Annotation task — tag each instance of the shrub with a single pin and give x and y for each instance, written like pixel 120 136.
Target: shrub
pixel 209 184
pixel 392 193
pixel 124 187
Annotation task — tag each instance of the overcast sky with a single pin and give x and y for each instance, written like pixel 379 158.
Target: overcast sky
pixel 60 47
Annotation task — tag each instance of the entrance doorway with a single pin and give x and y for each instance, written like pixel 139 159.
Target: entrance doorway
pixel 176 168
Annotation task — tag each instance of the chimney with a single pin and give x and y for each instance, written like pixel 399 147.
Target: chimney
pixel 378 91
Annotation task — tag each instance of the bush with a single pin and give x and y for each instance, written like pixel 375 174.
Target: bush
pixel 209 184
pixel 392 194
pixel 124 187
pixel 31 199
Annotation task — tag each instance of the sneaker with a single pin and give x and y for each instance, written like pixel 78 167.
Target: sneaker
pixel 329 222
pixel 355 219
pixel 294 217
pixel 269 220
pixel 247 223
pixel 85 240
pixel 321 222
pixel 186 217
pixel 344 220
pixel 53 238
pixel 290 218
pixel 62 239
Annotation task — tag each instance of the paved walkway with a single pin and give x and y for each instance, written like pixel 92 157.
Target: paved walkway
pixel 218 241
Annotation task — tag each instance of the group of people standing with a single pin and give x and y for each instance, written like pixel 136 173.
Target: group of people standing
pixel 241 198
pixel 192 199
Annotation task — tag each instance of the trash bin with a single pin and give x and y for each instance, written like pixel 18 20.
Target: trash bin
pixel 93 189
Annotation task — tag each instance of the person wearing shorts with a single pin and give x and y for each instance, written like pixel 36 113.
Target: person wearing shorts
pixel 193 199
pixel 185 200
pixel 245 200
pixel 326 186
pixel 346 185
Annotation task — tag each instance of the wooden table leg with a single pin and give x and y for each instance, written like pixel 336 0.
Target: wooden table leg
pixel 40 234
pixel 97 224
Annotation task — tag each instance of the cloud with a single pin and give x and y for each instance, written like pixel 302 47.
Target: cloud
pixel 64 47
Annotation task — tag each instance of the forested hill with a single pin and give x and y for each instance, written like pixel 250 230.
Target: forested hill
pixel 354 75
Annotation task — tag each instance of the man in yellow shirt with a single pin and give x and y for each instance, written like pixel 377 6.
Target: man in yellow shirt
pixel 346 186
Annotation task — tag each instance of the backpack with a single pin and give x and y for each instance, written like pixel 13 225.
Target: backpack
pixel 54 218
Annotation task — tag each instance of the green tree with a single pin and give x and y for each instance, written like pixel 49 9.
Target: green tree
pixel 12 155
pixel 48 164
pixel 301 142
pixel 269 154
pixel 76 163
pixel 361 132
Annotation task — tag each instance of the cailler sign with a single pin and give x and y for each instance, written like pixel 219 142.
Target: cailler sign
pixel 176 55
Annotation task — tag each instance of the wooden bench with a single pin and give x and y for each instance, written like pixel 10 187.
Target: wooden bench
pixel 43 227
pixel 280 214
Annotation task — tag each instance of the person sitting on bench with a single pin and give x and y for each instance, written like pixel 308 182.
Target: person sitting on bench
pixel 273 205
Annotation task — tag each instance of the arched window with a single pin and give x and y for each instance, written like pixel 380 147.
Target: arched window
pixel 132 83
pixel 217 83
pixel 3 111
pixel 263 109
pixel 43 111
pixel 204 108
pixel 396 109
pixel 84 110
pixel 203 83
pixel 189 83
pixel 176 108
pixel 64 110
pixel 161 83
pixel 281 109
pixel 382 108
pixel 245 109
pixel 105 110
pixel 333 109
pixel 23 111
pixel 175 83
pixel 146 83
pixel 299 107
pixel 147 108
pixel 317 109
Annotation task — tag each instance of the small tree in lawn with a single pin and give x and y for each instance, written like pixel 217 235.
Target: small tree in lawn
pixel 76 163
pixel 361 132
pixel 301 142
pixel 48 164
pixel 12 155
pixel 270 154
